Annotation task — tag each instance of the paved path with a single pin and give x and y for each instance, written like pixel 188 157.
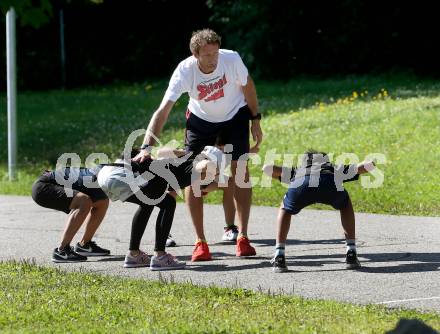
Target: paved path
pixel 400 254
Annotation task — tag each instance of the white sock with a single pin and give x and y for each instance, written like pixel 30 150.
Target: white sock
pixel 279 249
pixel 351 244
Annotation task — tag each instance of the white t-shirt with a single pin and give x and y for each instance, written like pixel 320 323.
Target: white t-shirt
pixel 214 97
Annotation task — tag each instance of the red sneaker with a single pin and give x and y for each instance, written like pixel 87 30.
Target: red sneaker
pixel 244 248
pixel 201 252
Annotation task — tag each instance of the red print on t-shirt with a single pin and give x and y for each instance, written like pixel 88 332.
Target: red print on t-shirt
pixel 212 91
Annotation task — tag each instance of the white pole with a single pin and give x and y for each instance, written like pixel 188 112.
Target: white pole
pixel 12 93
pixel 62 50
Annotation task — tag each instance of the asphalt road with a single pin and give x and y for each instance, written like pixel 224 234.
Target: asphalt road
pixel 400 254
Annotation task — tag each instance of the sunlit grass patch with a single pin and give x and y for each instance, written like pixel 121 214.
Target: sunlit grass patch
pixel 398 117
pixel 39 299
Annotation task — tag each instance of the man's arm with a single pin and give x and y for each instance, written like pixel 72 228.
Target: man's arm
pixel 272 171
pixel 250 95
pixel 157 122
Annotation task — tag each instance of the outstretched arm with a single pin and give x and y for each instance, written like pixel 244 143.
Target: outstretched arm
pixel 154 129
pixel 273 171
pixel 365 167
pixel 282 174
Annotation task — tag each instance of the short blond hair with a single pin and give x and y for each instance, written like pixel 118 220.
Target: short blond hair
pixel 202 37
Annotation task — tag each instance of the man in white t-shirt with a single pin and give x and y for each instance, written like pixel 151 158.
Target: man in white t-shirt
pixel 222 100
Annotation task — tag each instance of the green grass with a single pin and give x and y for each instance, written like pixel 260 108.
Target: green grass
pixel 39 299
pixel 399 117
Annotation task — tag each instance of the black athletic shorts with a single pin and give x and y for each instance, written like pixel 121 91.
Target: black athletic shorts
pixel 47 193
pixel 153 190
pixel 200 133
pixel 157 186
pixel 297 198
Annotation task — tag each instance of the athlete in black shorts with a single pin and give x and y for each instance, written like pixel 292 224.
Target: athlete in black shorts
pixel 84 204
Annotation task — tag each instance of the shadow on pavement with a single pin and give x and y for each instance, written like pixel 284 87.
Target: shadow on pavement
pixel 112 258
pixel 216 256
pixel 271 242
pixel 420 262
pixel 414 262
pixel 224 267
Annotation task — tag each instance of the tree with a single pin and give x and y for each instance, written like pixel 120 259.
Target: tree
pixel 30 13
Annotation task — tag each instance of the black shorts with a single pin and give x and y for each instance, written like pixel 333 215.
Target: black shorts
pixel 47 193
pixel 157 186
pixel 200 133
pixel 153 190
pixel 297 198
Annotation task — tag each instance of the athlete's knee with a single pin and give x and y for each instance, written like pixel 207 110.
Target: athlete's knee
pixel 82 202
pixel 101 204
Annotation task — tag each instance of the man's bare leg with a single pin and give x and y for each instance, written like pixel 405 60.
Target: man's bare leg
pixel 195 208
pixel 228 202
pixel 243 199
pixel 242 194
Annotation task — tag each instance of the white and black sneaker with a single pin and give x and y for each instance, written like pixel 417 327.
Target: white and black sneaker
pixel 351 260
pixel 170 241
pixel 67 255
pixel 279 264
pixel 231 233
pixel 91 249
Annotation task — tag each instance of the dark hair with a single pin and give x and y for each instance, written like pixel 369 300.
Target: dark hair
pixel 309 157
pixel 310 152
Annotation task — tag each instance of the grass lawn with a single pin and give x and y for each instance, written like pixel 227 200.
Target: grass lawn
pixel 39 299
pixel 396 116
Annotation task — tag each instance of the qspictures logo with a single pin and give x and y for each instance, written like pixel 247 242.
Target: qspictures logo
pixel 213 89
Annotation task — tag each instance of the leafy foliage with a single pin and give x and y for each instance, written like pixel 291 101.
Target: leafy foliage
pixel 30 13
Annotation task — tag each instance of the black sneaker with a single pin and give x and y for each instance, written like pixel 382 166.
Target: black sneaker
pixel 67 255
pixel 279 264
pixel 351 260
pixel 91 249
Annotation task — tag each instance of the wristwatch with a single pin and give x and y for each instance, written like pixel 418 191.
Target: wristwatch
pixel 147 147
pixel 257 116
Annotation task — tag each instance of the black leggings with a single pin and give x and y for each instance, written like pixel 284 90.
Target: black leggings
pixel 164 219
